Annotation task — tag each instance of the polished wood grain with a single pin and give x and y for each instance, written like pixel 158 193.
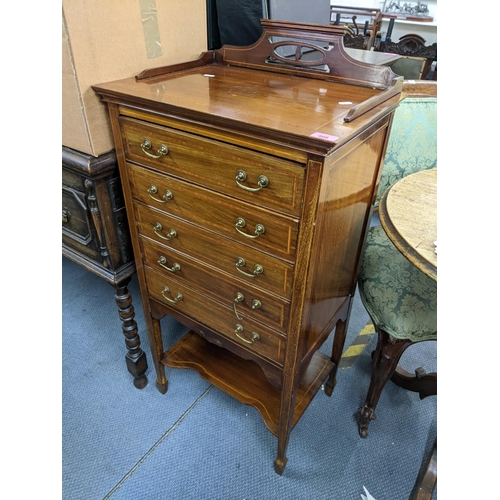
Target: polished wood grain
pixel 427 477
pixel 299 102
pixel 248 144
pixel 218 251
pixel 408 214
pixel 218 212
pixel 319 138
pixel 295 108
pixel 419 88
pixel 272 310
pixel 220 318
pixel 216 165
pixel 243 379
pixel 346 196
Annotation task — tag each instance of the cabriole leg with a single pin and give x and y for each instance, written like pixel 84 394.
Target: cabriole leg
pixel 385 361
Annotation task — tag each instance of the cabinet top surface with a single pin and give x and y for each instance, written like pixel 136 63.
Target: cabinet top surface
pixel 276 102
pixel 319 97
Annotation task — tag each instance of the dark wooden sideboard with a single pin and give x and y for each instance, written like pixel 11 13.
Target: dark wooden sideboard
pixel 249 179
pixel 95 234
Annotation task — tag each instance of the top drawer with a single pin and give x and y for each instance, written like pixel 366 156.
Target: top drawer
pixel 248 175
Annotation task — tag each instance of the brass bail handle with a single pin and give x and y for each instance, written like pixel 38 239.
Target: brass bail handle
pixel 239 298
pixel 177 298
pixel 258 269
pixel 259 228
pixel 171 234
pixel 239 329
pixel 241 176
pixel 162 261
pixel 146 145
pixel 154 190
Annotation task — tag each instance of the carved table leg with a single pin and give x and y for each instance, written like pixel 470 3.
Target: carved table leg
pixel 385 360
pixel 427 477
pixel 423 383
pixel 136 358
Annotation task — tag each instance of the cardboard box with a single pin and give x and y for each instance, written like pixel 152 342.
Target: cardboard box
pixel 104 41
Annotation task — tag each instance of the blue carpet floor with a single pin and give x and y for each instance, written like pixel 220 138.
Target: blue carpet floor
pixel 196 442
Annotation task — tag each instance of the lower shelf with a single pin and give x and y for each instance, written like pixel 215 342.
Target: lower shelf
pixel 243 379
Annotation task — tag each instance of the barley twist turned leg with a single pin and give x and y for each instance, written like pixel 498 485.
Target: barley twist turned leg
pixel 135 358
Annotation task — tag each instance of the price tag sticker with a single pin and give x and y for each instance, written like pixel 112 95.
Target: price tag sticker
pixel 325 137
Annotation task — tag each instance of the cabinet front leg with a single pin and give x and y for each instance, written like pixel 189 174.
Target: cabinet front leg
pixel 135 358
pixel 285 426
pixel 156 343
pixel 279 465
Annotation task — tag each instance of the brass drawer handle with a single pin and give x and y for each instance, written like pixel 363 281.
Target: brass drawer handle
pixel 241 176
pixel 66 216
pixel 256 304
pixel 154 190
pixel 258 269
pixel 259 228
pixel 239 329
pixel 171 234
pixel 177 298
pixel 162 261
pixel 146 145
pixel 239 298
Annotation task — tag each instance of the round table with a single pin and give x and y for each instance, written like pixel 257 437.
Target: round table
pixel 408 214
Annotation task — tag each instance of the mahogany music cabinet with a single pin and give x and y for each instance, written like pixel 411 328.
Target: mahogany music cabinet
pixel 249 177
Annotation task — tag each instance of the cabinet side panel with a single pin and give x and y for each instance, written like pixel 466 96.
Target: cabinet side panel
pixel 348 187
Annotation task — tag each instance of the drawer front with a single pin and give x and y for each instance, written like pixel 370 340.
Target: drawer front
pixel 227 169
pixel 247 224
pixel 240 261
pixel 246 301
pixel 245 333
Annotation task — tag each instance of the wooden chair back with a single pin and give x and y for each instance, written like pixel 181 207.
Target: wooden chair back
pixel 369 25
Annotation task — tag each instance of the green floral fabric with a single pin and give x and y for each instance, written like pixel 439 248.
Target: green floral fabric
pixel 399 298
pixel 412 143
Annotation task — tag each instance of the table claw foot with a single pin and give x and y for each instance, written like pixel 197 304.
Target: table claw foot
pixel 366 415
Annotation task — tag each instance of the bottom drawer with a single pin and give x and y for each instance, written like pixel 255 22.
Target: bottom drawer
pixel 248 334
pixel 271 310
